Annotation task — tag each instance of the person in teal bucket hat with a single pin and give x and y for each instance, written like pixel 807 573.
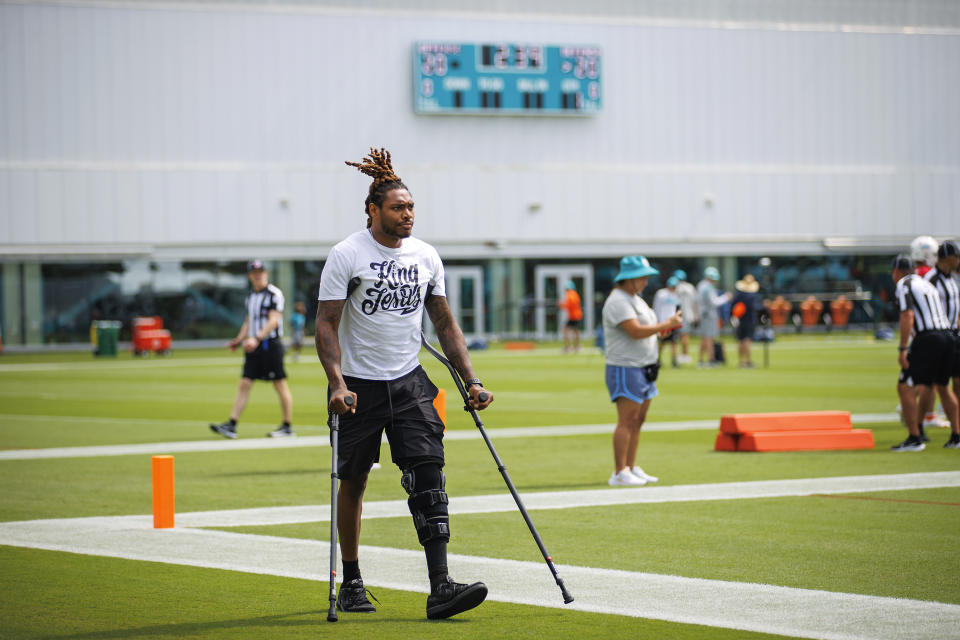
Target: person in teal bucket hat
pixel 630 328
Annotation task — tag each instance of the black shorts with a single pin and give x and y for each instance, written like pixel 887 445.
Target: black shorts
pixel 266 362
pixel 403 408
pixel 574 324
pixel 955 371
pixel 670 337
pixel 745 330
pixel 932 358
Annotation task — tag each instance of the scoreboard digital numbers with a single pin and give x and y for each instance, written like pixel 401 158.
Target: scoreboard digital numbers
pixel 506 79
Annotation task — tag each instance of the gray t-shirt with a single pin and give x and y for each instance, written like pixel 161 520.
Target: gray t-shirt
pixel 621 349
pixel 708 301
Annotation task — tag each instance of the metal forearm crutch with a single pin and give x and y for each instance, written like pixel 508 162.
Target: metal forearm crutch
pixel 567 598
pixel 334 476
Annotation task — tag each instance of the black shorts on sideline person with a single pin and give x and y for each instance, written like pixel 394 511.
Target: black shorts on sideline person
pixel 414 430
pixel 931 357
pixel 266 362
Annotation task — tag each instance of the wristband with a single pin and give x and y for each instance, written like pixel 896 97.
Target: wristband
pixel 472 381
pixel 902 348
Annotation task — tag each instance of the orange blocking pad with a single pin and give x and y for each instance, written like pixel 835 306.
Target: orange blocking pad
pixel 725 442
pixel 163 492
pixel 740 423
pixel 805 440
pixel 791 431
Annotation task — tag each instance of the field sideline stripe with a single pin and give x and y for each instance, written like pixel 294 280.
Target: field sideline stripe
pixel 101 365
pixel 763 608
pixel 502 502
pixel 247 444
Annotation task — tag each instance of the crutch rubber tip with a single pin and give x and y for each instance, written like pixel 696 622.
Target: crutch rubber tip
pixel 331 617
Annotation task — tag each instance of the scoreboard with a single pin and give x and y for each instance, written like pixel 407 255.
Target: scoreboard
pixel 506 79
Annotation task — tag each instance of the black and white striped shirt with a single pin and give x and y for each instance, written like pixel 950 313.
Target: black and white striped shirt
pixel 946 286
pixel 259 305
pixel 917 295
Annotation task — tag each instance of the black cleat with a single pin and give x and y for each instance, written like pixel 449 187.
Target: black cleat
pixel 912 443
pixel 353 597
pixel 450 598
pixel 225 429
pixel 953 442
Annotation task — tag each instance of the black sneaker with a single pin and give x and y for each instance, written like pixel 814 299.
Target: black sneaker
pixel 225 429
pixel 281 432
pixel 450 598
pixel 912 443
pixel 953 442
pixel 923 435
pixel 353 597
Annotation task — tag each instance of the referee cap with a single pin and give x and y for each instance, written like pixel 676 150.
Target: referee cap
pixel 902 263
pixel 255 265
pixel 948 248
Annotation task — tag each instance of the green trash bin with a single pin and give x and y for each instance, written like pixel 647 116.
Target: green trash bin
pixel 108 334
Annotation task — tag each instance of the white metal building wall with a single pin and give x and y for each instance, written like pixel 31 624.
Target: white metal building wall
pixel 184 131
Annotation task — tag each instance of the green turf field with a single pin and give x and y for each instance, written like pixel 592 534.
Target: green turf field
pixel 900 544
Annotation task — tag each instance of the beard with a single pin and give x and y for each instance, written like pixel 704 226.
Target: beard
pixel 398 231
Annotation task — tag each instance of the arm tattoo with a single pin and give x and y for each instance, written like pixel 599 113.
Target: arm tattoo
pixel 327 339
pixel 451 338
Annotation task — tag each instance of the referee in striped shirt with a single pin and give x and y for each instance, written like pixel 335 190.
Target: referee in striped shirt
pixel 261 337
pixel 930 356
pixel 945 282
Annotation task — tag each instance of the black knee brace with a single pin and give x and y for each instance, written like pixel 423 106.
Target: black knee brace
pixel 424 483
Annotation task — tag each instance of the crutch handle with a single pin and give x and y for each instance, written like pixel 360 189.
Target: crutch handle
pixel 482 397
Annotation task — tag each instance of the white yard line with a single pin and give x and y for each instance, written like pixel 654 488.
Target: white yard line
pixel 247 444
pixel 499 502
pixel 753 607
pixel 588 353
pixel 102 365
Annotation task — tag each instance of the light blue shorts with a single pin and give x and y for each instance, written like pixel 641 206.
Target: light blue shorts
pixel 629 383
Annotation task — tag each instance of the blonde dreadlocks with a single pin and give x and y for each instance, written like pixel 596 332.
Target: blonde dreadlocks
pixel 377 165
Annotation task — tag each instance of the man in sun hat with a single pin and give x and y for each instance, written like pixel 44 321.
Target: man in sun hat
pixel 746 315
pixel 709 302
pixel 632 364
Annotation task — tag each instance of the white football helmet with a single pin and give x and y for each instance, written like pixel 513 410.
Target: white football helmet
pixel 924 249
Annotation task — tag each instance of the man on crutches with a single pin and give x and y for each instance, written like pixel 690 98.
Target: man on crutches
pixel 373 290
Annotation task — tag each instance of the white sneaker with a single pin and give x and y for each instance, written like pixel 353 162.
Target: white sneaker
pixel 625 479
pixel 643 475
pixel 933 420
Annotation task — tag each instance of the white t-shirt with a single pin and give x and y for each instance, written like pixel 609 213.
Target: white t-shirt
pixel 665 303
pixel 380 328
pixel 621 349
pixel 688 301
